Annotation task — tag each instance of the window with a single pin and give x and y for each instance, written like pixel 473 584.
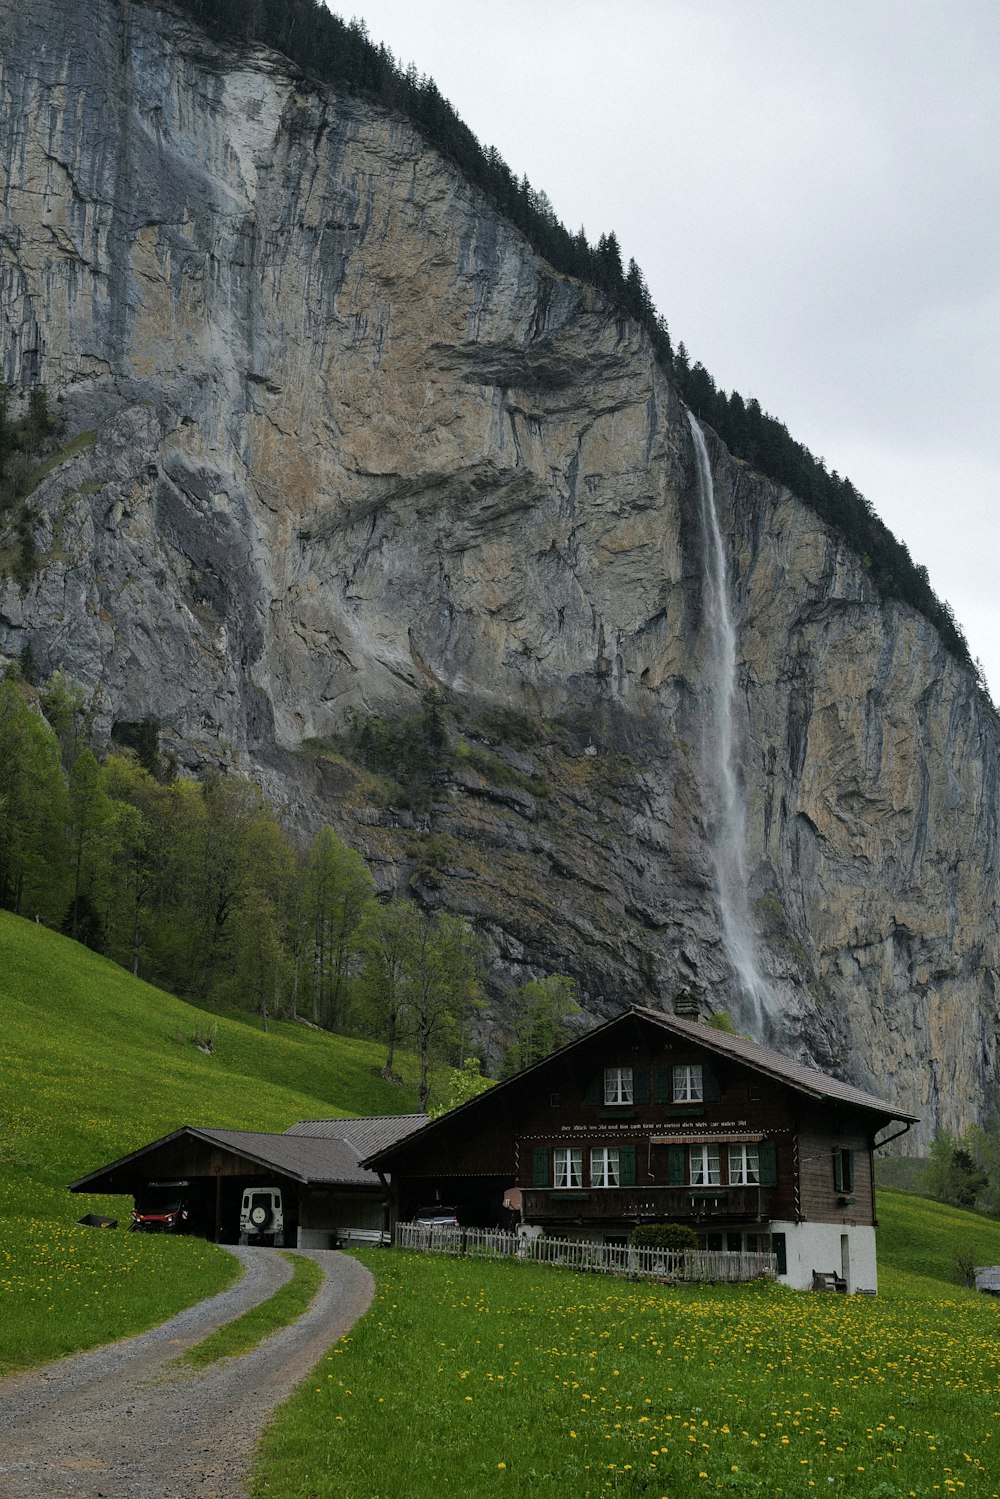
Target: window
pixel 617 1085
pixel 744 1165
pixel 705 1166
pixel 604 1168
pixel 843 1170
pixel 568 1162
pixel 688 1084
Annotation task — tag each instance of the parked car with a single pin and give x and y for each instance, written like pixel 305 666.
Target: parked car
pixel 262 1217
pixel 437 1217
pixel 162 1208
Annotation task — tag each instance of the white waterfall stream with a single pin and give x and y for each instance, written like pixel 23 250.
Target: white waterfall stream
pixel 727 826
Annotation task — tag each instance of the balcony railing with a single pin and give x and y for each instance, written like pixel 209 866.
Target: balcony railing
pixel 643 1204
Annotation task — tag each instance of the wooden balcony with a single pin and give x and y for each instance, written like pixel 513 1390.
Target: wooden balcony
pixel 639 1204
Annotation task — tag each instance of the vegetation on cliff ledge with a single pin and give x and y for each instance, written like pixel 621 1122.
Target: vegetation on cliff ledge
pixel 340 53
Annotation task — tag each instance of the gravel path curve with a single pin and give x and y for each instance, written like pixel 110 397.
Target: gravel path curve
pixel 120 1423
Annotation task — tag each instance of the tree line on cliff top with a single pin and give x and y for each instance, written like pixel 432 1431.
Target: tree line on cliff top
pixel 342 54
pixel 197 887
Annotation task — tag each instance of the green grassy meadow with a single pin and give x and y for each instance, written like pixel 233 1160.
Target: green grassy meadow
pixel 488 1378
pixel 469 1376
pixel 94 1064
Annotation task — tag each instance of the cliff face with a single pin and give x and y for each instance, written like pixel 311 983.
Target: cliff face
pixel 353 441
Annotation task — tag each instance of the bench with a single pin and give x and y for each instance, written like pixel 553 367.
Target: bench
pixel 829 1280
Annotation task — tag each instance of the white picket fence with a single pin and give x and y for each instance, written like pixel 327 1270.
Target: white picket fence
pixel 706 1265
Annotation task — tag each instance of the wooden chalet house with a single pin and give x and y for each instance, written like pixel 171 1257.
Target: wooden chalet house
pixel 652 1117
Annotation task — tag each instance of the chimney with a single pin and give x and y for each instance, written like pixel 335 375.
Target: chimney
pixel 686 1004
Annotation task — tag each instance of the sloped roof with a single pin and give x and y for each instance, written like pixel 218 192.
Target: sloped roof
pixel 319 1160
pixel 366 1135
pixel 807 1080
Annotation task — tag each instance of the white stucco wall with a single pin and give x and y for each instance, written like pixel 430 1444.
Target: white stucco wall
pixel 819 1246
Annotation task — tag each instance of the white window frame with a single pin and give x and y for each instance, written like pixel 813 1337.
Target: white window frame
pixel 605 1166
pixel 567 1166
pixel 705 1166
pixel 688 1083
pixel 618 1085
pixel 744 1165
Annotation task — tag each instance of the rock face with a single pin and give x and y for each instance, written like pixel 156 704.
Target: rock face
pixel 346 439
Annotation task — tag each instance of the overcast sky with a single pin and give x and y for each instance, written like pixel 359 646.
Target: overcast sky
pixel 812 188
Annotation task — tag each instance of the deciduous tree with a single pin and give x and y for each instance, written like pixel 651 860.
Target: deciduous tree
pixel 32 809
pixel 537 1016
pixel 338 889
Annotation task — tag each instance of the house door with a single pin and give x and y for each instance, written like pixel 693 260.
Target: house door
pixel 845 1259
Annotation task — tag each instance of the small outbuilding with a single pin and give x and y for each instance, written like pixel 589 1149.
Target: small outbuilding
pixel 328 1196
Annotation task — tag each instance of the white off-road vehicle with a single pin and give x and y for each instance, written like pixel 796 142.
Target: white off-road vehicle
pixel 261 1216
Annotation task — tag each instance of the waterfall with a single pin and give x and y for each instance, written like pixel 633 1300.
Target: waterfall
pixel 727 829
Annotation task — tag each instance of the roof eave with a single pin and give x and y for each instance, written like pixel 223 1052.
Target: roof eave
pixel 126 1160
pixel 209 1138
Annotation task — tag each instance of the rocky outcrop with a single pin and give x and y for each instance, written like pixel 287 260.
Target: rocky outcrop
pixel 341 439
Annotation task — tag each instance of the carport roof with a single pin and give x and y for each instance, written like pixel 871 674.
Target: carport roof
pixel 317 1160
pixel 366 1135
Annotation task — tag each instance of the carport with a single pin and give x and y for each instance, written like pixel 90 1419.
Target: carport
pixel 327 1195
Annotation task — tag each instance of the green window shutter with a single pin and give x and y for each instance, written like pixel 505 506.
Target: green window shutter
pixel 626 1165
pixel 675 1165
pixel 661 1084
pixel 711 1091
pixel 843 1170
pixel 768 1158
pixel 595 1089
pixel 640 1084
pixel 540 1167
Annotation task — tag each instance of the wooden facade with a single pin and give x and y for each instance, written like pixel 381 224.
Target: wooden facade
pixel 653 1118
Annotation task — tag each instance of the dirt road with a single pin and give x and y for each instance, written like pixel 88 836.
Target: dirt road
pixel 120 1423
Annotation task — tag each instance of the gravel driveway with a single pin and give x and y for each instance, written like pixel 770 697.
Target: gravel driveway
pixel 119 1423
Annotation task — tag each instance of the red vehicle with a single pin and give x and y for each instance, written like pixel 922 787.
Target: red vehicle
pixel 162 1209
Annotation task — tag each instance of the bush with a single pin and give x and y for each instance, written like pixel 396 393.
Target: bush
pixel 965 1267
pixel 413 749
pixel 664 1236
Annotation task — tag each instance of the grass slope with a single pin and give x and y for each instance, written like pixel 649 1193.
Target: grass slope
pixel 485 1378
pixel 93 1064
